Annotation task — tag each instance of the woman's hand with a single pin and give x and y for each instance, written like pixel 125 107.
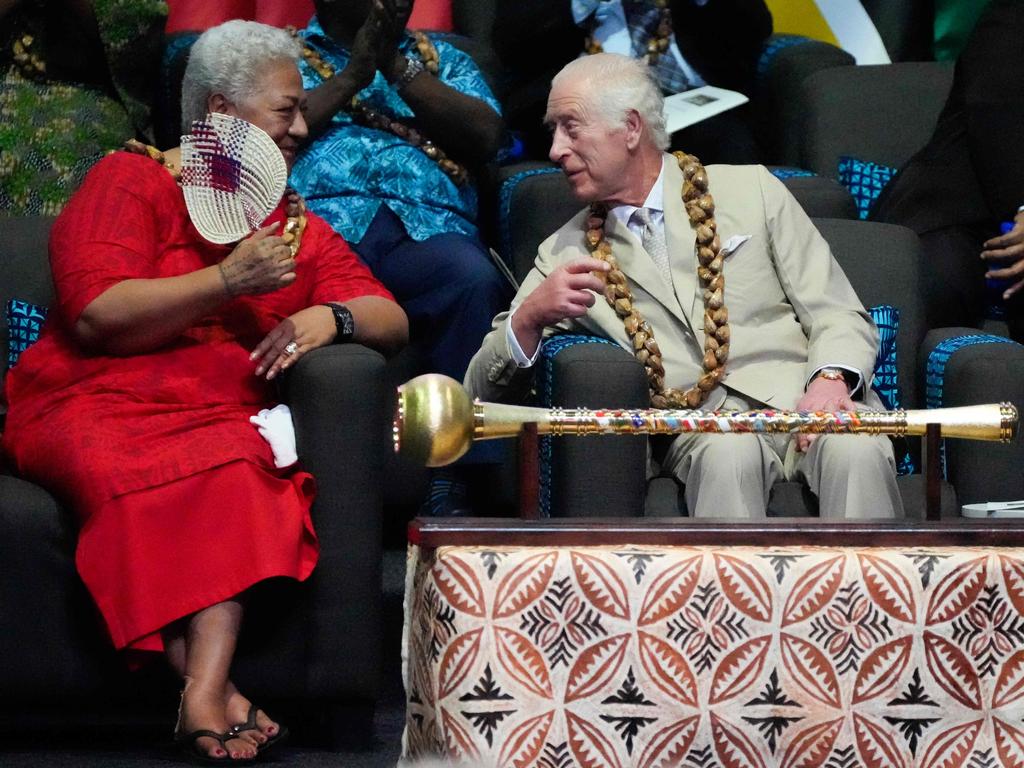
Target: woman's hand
pixel 259 264
pixel 292 338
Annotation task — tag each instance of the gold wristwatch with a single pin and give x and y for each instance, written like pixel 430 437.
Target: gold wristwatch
pixel 832 374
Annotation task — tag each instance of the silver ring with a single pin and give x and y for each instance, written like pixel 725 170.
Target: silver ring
pixel 291 348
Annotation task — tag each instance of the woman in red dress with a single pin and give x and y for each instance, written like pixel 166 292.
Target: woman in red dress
pixel 134 405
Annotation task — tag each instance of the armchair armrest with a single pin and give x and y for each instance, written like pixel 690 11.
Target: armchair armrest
pixel 593 476
pixel 339 405
pixel 964 366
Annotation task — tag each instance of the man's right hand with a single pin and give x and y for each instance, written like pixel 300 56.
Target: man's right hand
pixel 568 292
pixel 259 264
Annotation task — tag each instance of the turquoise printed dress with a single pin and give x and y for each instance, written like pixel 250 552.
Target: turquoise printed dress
pixel 351 170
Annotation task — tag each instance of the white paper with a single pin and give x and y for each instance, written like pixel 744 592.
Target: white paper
pixel 689 107
pixel 994 509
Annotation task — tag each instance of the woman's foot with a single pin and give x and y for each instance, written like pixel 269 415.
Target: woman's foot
pixel 203 710
pixel 248 720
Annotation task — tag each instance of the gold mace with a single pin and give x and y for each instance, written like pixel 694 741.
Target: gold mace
pixel 436 422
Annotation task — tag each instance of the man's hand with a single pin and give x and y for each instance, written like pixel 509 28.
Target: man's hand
pixel 259 264
pixel 823 395
pixel 568 292
pixel 1006 255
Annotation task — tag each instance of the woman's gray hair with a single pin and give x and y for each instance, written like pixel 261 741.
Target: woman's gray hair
pixel 618 84
pixel 230 59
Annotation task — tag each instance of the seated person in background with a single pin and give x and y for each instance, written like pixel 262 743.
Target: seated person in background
pixel 688 43
pixel 969 179
pixel 76 79
pixel 392 176
pixel 785 331
pixel 134 405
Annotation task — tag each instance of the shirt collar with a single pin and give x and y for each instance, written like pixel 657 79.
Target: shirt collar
pixel 655 199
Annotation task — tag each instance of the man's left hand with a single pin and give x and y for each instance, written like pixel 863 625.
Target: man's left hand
pixel 823 395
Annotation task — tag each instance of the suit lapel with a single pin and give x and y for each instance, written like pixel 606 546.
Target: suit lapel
pixel 682 254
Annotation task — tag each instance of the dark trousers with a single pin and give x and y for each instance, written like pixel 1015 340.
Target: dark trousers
pixel 446 284
pixel 448 287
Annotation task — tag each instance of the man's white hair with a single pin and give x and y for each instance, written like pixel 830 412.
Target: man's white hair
pixel 617 84
pixel 230 59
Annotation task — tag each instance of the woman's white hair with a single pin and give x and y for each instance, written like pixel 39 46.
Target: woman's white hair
pixel 617 84
pixel 229 59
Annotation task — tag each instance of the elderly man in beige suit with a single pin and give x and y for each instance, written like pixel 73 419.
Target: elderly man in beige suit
pixel 795 335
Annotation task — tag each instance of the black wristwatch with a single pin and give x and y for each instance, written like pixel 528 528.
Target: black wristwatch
pixel 343 321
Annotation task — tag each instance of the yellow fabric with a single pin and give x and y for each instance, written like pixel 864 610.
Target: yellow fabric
pixel 800 17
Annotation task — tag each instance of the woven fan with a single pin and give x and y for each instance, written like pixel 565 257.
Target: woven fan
pixel 233 176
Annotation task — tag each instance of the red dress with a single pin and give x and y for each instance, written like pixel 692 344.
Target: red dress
pixel 178 498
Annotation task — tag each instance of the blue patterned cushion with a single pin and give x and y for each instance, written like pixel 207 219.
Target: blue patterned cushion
pixel 887 319
pixel 24 322
pixel 865 181
pixel 885 383
pixel 783 172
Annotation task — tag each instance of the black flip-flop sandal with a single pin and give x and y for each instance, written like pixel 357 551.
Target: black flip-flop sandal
pixel 190 749
pixel 250 725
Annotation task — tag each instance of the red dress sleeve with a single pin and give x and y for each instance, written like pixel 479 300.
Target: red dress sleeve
pixel 108 231
pixel 338 273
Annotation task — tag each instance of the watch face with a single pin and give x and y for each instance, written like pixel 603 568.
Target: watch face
pixel 343 321
pixel 348 326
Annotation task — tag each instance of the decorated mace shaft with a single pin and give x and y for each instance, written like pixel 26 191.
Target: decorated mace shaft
pixel 436 422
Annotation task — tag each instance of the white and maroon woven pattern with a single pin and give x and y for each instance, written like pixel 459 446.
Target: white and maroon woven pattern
pixel 233 176
pixel 732 657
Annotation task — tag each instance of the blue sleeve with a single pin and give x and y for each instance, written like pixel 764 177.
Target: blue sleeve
pixel 459 71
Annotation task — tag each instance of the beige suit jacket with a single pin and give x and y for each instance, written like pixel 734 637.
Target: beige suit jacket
pixel 791 308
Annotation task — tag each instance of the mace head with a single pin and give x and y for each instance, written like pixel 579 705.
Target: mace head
pixel 433 420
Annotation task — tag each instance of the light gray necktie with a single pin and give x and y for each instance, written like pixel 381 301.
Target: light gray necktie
pixel 653 240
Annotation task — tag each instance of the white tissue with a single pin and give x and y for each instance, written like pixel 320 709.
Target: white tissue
pixel 275 426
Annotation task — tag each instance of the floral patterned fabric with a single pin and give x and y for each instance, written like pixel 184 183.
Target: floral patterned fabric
pixel 53 128
pixel 731 657
pixel 351 170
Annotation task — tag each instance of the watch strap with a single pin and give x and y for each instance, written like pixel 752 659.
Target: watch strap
pixel 412 68
pixel 344 323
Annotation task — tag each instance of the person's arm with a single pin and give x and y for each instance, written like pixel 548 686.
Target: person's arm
pixel 379 323
pixel 139 315
pixel 465 127
pixel 568 292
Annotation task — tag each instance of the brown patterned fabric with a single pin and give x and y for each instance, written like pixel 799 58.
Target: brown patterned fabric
pixel 732 656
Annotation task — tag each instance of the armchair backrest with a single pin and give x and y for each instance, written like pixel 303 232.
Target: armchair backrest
pixel 883 264
pixel 882 113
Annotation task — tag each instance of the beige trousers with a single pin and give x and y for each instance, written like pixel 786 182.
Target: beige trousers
pixel 731 475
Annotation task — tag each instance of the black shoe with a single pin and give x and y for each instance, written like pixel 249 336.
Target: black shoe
pixel 448 496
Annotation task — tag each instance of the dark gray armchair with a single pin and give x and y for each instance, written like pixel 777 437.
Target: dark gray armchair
pixel 882 113
pixel 883 262
pixel 312 650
